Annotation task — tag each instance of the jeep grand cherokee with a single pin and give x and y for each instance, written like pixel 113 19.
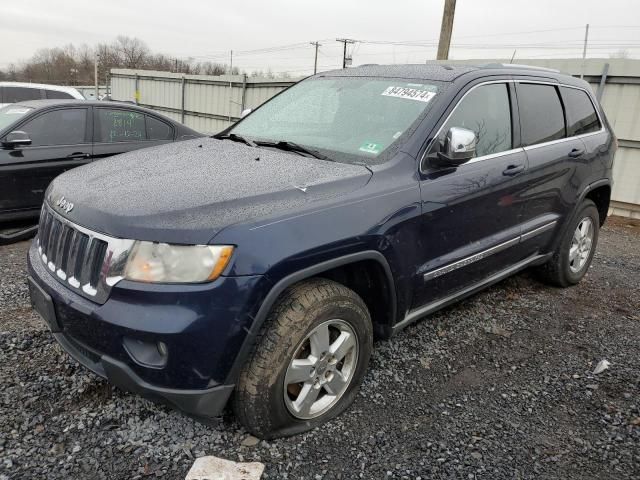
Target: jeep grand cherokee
pixel 258 266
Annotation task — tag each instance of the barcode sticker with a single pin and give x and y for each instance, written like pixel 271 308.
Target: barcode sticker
pixel 409 93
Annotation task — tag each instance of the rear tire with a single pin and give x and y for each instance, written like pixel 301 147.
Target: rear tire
pixel 309 361
pixel 571 260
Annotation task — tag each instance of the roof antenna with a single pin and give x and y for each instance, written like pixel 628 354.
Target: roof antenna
pixel 513 56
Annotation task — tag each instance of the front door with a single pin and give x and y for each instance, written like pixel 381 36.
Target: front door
pixel 59 141
pixel 472 214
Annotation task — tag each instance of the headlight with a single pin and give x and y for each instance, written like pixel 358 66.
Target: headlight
pixel 164 263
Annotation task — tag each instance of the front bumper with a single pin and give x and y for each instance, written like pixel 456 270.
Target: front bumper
pixel 202 329
pixel 202 403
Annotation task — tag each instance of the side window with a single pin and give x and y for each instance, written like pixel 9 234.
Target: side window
pixel 158 130
pixel 116 125
pixel 486 111
pixel 541 114
pixel 20 94
pixel 56 95
pixel 581 114
pixel 57 127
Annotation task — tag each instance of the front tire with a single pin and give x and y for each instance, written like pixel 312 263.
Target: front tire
pixel 571 260
pixel 308 363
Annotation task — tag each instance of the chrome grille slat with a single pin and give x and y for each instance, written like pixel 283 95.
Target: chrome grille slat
pixel 87 262
pixel 51 245
pixel 60 245
pixel 73 256
pixel 96 268
pixel 45 233
pixel 63 252
pixel 80 258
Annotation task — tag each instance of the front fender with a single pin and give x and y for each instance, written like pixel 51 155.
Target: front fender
pixel 283 283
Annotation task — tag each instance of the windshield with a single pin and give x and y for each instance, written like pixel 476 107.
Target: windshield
pixel 11 113
pixel 350 119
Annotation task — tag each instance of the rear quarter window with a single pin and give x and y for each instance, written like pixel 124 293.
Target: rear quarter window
pixel 541 114
pixel 20 94
pixel 158 130
pixel 56 95
pixel 581 114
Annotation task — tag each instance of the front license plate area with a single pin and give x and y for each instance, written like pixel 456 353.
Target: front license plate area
pixel 43 304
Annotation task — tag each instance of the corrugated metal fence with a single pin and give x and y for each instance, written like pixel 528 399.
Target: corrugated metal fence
pixel 205 103
pixel 210 104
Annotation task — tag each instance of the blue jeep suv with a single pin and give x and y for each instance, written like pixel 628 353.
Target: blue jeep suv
pixel 256 267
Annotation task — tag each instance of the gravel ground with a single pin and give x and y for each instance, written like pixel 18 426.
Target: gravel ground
pixel 499 386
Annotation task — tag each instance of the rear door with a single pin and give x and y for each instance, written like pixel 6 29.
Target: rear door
pixel 583 122
pixel 556 162
pixel 120 130
pixel 472 214
pixel 60 141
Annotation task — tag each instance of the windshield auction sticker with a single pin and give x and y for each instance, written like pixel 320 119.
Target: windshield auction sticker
pixel 409 93
pixel 370 147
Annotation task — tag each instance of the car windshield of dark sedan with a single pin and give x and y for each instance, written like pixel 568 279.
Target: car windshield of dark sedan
pixel 11 113
pixel 349 119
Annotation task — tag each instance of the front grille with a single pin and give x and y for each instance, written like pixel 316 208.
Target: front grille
pixel 73 256
pixel 77 257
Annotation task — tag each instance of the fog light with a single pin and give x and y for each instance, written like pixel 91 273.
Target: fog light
pixel 146 354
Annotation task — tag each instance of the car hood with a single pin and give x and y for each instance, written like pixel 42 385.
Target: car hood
pixel 186 192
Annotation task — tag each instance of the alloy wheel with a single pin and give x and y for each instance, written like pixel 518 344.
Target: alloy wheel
pixel 581 244
pixel 321 369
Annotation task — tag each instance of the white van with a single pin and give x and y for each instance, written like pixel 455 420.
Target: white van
pixel 13 92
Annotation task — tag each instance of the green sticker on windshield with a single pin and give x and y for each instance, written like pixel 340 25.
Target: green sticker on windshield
pixel 370 147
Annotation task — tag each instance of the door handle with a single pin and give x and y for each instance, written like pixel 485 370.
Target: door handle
pixel 576 152
pixel 513 170
pixel 78 155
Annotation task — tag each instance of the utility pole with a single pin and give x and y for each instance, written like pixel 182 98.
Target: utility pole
pixel 446 29
pixel 95 73
pixel 230 83
pixel 315 63
pixel 584 50
pixel 345 41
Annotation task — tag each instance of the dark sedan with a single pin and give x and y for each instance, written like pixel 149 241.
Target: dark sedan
pixel 40 139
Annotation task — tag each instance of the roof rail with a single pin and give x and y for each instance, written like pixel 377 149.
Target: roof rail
pixel 518 65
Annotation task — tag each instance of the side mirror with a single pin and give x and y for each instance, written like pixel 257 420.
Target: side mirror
pixel 17 138
pixel 245 112
pixel 459 146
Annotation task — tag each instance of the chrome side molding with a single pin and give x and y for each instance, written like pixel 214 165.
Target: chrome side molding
pixel 476 257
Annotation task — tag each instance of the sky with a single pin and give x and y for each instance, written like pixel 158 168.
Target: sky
pixel 400 31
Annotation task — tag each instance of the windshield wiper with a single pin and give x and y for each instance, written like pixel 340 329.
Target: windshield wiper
pixel 236 138
pixel 292 147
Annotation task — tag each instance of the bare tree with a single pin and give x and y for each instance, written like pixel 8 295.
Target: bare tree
pixel 133 52
pixel 71 65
